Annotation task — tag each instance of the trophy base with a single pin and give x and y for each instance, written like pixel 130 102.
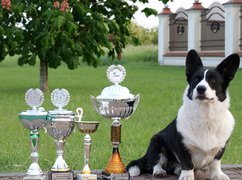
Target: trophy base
pixel 108 176
pixel 86 177
pixel 115 164
pixel 66 175
pixel 28 177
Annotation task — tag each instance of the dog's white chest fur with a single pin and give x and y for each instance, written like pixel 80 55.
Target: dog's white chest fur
pixel 205 126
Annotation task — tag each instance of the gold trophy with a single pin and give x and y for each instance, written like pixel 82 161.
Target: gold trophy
pixel 86 127
pixel 116 103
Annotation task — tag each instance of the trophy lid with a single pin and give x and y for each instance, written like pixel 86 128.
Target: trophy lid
pixel 34 98
pixel 116 75
pixel 60 97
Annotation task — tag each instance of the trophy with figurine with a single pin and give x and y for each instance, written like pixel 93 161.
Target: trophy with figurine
pixel 115 103
pixel 34 120
pixel 60 124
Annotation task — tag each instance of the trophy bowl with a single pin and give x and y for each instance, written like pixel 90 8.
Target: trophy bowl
pixel 33 122
pixel 59 126
pixel 87 127
pixel 115 108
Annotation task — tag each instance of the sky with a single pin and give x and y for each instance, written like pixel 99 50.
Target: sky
pixel 152 21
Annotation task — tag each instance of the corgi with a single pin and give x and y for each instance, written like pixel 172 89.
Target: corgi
pixel 197 137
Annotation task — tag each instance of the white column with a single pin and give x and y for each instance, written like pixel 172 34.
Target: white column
pixel 232 27
pixel 163 34
pixel 194 26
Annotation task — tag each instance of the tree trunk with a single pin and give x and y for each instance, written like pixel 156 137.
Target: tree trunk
pixel 44 75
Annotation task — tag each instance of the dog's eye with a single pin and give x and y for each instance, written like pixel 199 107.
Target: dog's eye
pixel 196 79
pixel 213 80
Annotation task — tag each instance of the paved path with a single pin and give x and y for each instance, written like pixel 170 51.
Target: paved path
pixel 233 171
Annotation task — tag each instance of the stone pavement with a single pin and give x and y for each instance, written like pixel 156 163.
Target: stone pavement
pixel 233 171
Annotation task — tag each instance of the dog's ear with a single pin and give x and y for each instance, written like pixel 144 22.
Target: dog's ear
pixel 228 67
pixel 193 63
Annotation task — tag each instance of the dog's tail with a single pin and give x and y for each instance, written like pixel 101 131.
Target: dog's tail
pixel 136 167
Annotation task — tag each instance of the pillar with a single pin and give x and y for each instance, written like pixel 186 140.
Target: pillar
pixel 163 34
pixel 232 26
pixel 194 26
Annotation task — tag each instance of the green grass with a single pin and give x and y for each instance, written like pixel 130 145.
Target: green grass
pixel 161 90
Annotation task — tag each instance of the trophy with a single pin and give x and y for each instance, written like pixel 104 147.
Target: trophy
pixel 34 120
pixel 60 124
pixel 115 102
pixel 86 127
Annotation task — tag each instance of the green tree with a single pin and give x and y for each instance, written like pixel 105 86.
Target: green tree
pixel 60 30
pixel 142 36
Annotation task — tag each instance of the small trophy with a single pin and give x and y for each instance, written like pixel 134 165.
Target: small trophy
pixel 115 102
pixel 34 120
pixel 86 127
pixel 60 124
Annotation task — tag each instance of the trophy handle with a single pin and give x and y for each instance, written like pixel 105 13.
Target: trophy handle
pixel 79 113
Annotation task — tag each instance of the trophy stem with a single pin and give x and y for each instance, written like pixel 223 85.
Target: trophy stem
pixel 60 164
pixel 34 169
pixel 87 149
pixel 115 164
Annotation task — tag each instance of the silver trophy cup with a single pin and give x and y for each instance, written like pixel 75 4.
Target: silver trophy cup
pixel 60 124
pixel 116 103
pixel 34 120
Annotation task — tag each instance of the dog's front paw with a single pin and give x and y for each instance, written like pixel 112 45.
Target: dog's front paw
pixel 134 171
pixel 220 177
pixel 158 171
pixel 186 175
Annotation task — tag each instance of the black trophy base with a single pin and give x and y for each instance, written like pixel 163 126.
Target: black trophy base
pixel 108 176
pixel 66 175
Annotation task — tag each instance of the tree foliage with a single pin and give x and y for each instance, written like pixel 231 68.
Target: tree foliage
pixel 142 36
pixel 58 31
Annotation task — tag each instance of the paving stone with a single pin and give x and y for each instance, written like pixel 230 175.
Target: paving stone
pixel 233 171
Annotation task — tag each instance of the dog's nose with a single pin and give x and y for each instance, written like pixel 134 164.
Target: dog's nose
pixel 201 89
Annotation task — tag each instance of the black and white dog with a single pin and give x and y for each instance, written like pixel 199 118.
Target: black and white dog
pixel 198 136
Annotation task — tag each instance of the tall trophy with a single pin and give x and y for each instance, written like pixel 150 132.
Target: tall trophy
pixel 86 127
pixel 60 123
pixel 34 120
pixel 115 103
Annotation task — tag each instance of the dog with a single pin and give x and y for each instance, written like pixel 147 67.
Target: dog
pixel 197 137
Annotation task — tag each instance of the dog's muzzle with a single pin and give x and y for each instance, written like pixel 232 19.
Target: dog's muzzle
pixel 201 93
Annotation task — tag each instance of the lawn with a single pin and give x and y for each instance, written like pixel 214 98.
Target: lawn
pixel 161 90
